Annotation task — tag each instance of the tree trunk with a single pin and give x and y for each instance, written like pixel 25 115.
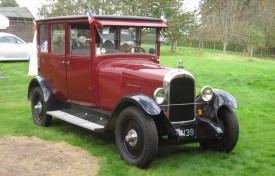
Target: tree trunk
pixel 224 47
pixel 199 45
pixel 251 52
pixel 176 44
pixel 173 44
pixel 214 46
pixel 224 42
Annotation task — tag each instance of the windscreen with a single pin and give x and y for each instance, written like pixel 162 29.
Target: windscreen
pixel 111 40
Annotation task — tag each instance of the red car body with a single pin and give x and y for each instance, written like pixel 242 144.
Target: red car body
pixel 106 76
pixel 89 79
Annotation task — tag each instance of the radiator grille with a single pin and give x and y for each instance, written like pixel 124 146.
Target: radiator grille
pixel 182 90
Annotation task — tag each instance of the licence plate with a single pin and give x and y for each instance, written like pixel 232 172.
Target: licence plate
pixel 188 131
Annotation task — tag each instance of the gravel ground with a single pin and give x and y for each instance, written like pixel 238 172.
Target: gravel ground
pixel 31 156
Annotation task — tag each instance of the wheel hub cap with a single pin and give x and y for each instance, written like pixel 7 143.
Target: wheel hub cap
pixel 131 137
pixel 38 107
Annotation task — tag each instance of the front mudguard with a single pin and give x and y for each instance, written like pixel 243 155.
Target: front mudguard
pixel 146 104
pixel 207 123
pixel 224 98
pixel 220 98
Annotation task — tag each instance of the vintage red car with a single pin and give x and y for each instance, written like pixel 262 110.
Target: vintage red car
pixel 106 76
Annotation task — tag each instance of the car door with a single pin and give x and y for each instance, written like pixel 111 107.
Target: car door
pixel 57 62
pixel 13 48
pixel 79 64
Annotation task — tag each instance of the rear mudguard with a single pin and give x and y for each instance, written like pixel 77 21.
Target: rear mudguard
pixel 149 106
pixel 49 97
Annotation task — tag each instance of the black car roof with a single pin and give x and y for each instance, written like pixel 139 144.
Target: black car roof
pixel 115 17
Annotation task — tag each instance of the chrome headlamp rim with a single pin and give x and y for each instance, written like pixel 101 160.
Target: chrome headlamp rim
pixel 206 93
pixel 159 95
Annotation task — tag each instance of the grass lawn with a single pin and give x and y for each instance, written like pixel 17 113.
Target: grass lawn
pixel 250 80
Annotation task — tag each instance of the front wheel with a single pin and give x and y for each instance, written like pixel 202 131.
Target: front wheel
pixel 229 124
pixel 136 137
pixel 39 108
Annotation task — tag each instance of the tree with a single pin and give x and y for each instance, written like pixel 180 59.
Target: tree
pixel 223 17
pixel 8 3
pixel 249 23
pixel 78 7
pixel 254 40
pixel 263 18
pixel 179 23
pixel 139 7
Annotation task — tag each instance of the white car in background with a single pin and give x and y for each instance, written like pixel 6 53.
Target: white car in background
pixel 12 48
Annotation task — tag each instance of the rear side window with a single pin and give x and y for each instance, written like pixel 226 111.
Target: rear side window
pixel 43 38
pixel 57 39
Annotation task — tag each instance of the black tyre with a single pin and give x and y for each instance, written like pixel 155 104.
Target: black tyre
pixel 39 108
pixel 229 124
pixel 136 137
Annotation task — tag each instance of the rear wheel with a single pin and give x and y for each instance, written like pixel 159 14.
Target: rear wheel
pixel 39 108
pixel 229 124
pixel 136 137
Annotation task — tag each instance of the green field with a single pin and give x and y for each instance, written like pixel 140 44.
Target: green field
pixel 250 80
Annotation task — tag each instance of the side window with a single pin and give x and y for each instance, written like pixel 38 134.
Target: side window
pixel 57 39
pixel 43 38
pixel 80 39
pixel 148 39
pixel 109 39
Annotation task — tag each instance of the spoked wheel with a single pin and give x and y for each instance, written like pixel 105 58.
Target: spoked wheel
pixel 39 108
pixel 136 137
pixel 229 124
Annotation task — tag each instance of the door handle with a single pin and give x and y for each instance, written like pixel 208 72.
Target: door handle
pixel 64 62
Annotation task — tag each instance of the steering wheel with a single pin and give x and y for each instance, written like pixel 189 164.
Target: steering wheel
pixel 134 47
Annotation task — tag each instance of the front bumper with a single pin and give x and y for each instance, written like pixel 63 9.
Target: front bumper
pixel 200 129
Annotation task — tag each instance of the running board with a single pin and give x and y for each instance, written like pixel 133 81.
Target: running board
pixel 76 120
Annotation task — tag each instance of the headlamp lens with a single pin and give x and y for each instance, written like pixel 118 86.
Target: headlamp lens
pixel 159 95
pixel 206 93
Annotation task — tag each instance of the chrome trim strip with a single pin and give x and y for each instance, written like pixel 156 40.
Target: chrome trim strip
pixel 183 122
pixel 184 104
pixel 173 74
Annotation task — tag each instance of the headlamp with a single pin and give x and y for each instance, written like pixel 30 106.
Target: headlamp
pixel 206 93
pixel 159 95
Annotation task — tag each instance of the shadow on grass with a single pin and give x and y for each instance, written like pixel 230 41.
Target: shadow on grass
pixel 106 141
pixel 104 145
pixel 171 150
